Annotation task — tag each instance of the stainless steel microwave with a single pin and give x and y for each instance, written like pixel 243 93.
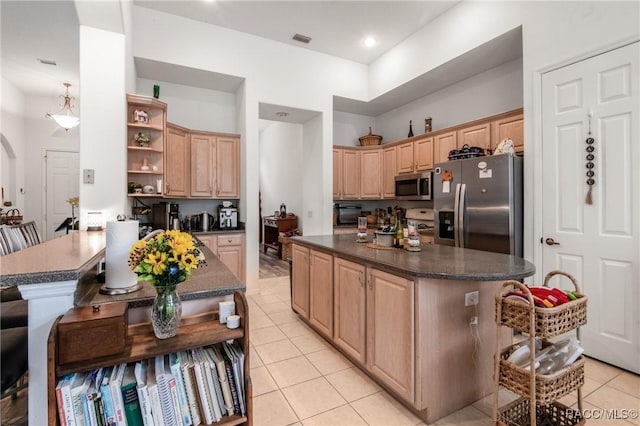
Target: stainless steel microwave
pixel 415 186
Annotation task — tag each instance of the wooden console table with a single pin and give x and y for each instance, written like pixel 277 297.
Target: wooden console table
pixel 273 226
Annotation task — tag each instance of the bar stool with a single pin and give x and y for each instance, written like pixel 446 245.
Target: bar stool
pixel 14 346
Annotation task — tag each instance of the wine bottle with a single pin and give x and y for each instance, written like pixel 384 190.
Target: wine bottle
pixel 410 130
pixel 399 238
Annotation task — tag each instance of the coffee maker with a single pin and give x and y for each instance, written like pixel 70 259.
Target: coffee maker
pixel 228 217
pixel 165 215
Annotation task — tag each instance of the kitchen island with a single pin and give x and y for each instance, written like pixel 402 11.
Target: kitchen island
pixel 59 274
pixel 419 323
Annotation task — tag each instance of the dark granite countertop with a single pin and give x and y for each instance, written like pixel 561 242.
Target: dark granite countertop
pixel 213 279
pixel 434 261
pixel 238 230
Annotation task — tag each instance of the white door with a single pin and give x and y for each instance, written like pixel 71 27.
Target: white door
pixel 597 243
pixel 63 182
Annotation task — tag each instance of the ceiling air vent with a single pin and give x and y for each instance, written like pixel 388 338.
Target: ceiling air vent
pixel 47 61
pixel 302 38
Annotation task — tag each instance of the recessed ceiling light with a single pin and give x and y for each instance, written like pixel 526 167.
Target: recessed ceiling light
pixel 281 114
pixel 369 41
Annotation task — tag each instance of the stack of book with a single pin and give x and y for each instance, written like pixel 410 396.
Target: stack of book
pixel 188 388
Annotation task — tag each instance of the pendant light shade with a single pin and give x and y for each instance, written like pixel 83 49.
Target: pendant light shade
pixel 65 118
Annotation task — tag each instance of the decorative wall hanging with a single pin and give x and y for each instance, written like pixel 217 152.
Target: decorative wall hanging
pixel 590 164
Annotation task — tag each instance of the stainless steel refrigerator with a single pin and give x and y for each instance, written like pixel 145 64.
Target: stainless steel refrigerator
pixel 478 203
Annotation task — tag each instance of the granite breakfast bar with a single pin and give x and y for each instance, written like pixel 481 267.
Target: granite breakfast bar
pixel 59 274
pixel 419 323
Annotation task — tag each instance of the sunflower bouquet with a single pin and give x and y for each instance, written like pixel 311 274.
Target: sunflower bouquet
pixel 165 259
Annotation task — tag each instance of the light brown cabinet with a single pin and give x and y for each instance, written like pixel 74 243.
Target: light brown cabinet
pixel 215 165
pixel 405 158
pixel 337 173
pixel 479 136
pixel 389 172
pixel 321 291
pixel 300 280
pixel 442 144
pixel 147 117
pixel 230 249
pixel 349 329
pixel 176 161
pixel 370 174
pixel 202 149
pixel 511 127
pixel 350 174
pixel 390 331
pixel 415 156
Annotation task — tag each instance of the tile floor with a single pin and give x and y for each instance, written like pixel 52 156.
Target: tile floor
pixel 299 379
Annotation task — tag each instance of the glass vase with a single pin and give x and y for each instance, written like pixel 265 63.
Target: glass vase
pixel 166 311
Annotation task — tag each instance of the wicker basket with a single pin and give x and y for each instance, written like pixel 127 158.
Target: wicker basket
pixel 555 414
pixel 549 322
pixel 549 387
pixel 368 140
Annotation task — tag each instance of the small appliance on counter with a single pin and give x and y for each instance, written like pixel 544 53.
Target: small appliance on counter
pixel 206 222
pixel 347 214
pixel 423 218
pixel 227 216
pixel 165 215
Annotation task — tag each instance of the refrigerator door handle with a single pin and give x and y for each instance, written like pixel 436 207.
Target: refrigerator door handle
pixel 456 215
pixel 461 209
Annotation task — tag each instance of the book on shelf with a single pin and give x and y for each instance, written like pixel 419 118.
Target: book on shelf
pixel 214 383
pixel 107 402
pixel 87 396
pixel 79 386
pixel 130 397
pixel 222 376
pixel 236 360
pixel 63 392
pixel 166 390
pixel 202 387
pixel 140 371
pixel 115 382
pixel 101 414
pixel 176 370
pixel 154 396
pixel 186 364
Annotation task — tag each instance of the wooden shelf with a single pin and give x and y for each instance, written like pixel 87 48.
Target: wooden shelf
pixel 145 126
pixel 146 172
pixel 144 149
pixel 144 195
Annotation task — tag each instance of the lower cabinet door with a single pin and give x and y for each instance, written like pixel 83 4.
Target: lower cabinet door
pixel 321 292
pixel 300 280
pixel 349 308
pixel 390 331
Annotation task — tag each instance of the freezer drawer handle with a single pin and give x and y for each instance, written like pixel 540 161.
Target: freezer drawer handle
pixel 551 242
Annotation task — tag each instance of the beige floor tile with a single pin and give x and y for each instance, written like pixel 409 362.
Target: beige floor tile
pixel 589 386
pixel 272 308
pixel 254 359
pixel 352 384
pixel 292 371
pixel 285 296
pixel 284 317
pixel 486 404
pixel 263 299
pixel 468 416
pixel 312 397
pixel 608 397
pixel 341 416
pixel 262 381
pixel 277 351
pixel 295 329
pixel 381 409
pixel 309 343
pixel 628 383
pixel 260 321
pixel 595 416
pixel 599 371
pixel 272 409
pixel 266 335
pixel 329 361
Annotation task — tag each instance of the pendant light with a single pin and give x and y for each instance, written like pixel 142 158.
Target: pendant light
pixel 65 118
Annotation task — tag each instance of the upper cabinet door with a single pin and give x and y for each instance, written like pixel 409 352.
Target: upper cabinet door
pixel 337 173
pixel 389 172
pixel 350 174
pixel 202 161
pixel 404 156
pixel 176 162
pixel 479 136
pixel 227 176
pixel 442 144
pixel 423 153
pixel 512 128
pixel 370 176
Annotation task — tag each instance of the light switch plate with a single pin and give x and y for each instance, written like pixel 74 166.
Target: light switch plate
pixel 88 176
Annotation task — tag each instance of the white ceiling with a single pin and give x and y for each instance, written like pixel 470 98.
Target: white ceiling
pixel 49 30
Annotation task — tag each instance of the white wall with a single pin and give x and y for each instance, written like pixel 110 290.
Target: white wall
pixel 281 168
pixel 491 92
pixel 12 128
pixel 347 128
pixel 194 108
pixel 103 135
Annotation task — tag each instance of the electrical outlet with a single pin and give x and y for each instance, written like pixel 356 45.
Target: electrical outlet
pixel 88 176
pixel 473 321
pixel 471 298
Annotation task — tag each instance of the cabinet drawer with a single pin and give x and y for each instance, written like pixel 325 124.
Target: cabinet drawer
pixel 229 240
